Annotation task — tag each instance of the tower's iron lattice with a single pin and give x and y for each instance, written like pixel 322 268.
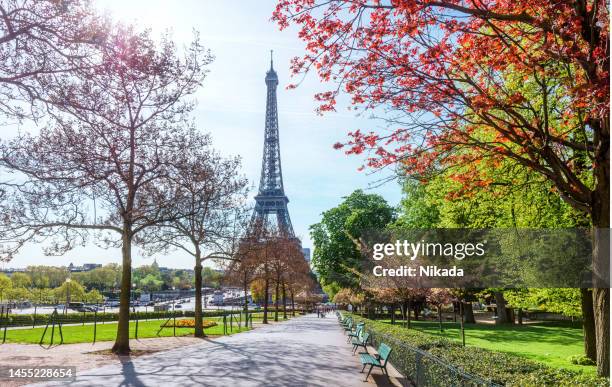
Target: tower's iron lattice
pixel 271 201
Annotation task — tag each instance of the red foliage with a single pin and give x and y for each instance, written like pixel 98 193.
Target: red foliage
pixel 442 66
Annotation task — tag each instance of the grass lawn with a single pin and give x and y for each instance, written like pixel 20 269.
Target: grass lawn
pixel 258 316
pixel 551 343
pixel 107 332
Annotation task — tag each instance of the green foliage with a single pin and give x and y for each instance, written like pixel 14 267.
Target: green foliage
pixel 43 296
pixel 258 290
pixel 211 278
pixel 18 294
pixel 150 283
pixel 416 210
pixel 21 280
pixel 5 285
pixel 516 198
pixel 501 368
pixel 581 360
pixel 331 289
pixel 147 278
pixel 47 276
pixel 335 253
pixel 555 300
pixel 102 278
pixel 77 291
pixel 94 296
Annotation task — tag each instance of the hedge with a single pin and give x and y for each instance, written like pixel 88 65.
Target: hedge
pixel 497 367
pixel 79 317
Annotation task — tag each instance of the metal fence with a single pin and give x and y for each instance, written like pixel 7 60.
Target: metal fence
pixel 422 369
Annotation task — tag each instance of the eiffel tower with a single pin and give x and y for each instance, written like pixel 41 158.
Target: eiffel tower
pixel 271 201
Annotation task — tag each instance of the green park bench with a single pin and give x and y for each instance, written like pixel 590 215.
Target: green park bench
pixel 356 332
pixel 349 326
pixel 361 341
pixel 345 323
pixel 379 360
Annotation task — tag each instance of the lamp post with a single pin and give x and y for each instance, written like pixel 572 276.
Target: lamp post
pixel 173 313
pixel 134 309
pixel 68 280
pixel 133 297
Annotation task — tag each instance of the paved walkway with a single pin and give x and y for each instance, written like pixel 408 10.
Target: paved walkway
pixel 304 351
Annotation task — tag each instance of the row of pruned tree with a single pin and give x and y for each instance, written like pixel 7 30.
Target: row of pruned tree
pixel 507 304
pixel 116 157
pixel 409 301
pixel 274 262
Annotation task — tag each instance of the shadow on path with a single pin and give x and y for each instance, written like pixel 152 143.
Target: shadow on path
pixel 302 351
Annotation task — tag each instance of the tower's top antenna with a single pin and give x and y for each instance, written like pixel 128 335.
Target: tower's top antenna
pixel 271 61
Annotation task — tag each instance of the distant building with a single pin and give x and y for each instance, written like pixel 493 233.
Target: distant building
pixel 11 270
pixel 84 267
pixel 306 252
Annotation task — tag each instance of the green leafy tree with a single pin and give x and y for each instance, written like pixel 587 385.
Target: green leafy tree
pixel 517 199
pixel 335 254
pixel 566 301
pixel 415 209
pixel 47 276
pixel 211 278
pixel 94 296
pixel 150 283
pixel 77 291
pixel 102 278
pixel 5 285
pixel 21 280
pixel 18 294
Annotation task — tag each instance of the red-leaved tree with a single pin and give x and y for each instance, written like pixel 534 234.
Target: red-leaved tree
pixel 465 82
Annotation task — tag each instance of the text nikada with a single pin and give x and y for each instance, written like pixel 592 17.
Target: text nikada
pixel 420 271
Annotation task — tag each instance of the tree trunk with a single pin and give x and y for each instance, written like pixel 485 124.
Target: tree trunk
pixel 500 302
pixel 276 295
pixel 246 297
pixel 520 316
pixel 588 324
pixel 122 341
pixel 440 317
pixel 199 328
pixel 600 215
pixel 392 308
pixel 408 314
pixel 284 302
pixel 292 303
pixel 468 313
pixel 601 306
pixel 462 313
pixel 266 295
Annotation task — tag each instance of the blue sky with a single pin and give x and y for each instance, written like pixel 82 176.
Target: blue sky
pixel 231 107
